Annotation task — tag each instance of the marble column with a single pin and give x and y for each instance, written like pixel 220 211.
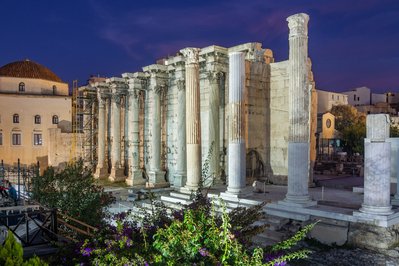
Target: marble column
pixel 101 169
pixel 214 132
pixel 377 164
pixel 117 173
pixel 135 176
pixel 155 174
pixel 193 120
pixel 180 176
pixel 236 148
pixel 299 100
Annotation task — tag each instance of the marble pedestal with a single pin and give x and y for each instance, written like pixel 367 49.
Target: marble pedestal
pixel 298 171
pixel 136 178
pixel 101 173
pixel 180 180
pixel 377 178
pixel 117 175
pixel 156 179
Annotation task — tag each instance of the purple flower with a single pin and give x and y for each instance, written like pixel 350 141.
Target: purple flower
pixel 87 251
pixel 129 242
pixel 203 252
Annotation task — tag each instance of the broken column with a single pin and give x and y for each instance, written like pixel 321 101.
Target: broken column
pixel 236 148
pixel 117 86
pixel 193 122
pixel 135 176
pixel 377 164
pixel 298 112
pixel 101 168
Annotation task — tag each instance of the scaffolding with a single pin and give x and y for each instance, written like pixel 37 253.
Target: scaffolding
pixel 85 124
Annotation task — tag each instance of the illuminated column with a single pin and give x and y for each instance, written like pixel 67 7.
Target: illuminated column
pixel 155 174
pixel 377 166
pixel 298 112
pixel 101 169
pixel 135 176
pixel 117 172
pixel 180 175
pixel 214 164
pixel 236 148
pixel 193 122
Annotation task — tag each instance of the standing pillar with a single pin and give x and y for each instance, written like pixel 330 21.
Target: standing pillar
pixel 377 166
pixel 156 175
pixel 298 112
pixel 214 133
pixel 135 176
pixel 236 148
pixel 117 173
pixel 193 121
pixel 101 169
pixel 180 176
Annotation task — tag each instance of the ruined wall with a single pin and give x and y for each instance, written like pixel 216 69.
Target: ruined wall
pixel 278 137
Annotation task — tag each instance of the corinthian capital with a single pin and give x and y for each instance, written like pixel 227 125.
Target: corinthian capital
pixel 298 25
pixel 191 55
pixel 214 76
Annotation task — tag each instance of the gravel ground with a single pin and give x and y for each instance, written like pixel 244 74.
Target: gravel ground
pixel 324 256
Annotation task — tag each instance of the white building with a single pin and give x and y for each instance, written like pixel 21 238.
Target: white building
pixel 327 99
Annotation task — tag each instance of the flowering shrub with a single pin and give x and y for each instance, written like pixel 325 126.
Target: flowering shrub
pixel 196 236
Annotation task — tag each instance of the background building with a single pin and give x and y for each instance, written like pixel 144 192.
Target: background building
pixel 327 99
pixel 35 115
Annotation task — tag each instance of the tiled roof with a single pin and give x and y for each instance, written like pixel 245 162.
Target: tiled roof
pixel 28 69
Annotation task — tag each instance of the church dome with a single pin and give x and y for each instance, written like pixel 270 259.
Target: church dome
pixel 28 69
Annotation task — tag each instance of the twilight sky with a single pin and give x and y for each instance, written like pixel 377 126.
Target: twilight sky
pixel 352 43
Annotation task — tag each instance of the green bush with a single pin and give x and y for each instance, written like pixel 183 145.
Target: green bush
pixel 11 254
pixel 73 191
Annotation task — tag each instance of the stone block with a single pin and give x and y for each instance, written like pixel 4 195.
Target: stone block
pixel 377 127
pixel 329 233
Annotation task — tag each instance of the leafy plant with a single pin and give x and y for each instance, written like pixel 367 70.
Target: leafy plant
pixel 11 253
pixel 73 191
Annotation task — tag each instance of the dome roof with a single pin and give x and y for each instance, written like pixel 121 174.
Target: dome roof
pixel 28 69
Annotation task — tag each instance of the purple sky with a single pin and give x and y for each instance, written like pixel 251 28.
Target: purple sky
pixel 351 43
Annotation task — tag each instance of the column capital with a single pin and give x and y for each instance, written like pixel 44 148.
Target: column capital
pixel 101 98
pixel 298 25
pixel 191 55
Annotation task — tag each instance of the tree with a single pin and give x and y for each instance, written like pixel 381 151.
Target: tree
pixel 73 191
pixel 352 125
pixel 346 115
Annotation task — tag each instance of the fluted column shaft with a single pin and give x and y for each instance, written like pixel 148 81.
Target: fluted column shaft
pixel 214 165
pixel 100 136
pixel 193 122
pixel 236 149
pixel 181 132
pixel 298 111
pixel 155 163
pixel 135 174
pixel 115 134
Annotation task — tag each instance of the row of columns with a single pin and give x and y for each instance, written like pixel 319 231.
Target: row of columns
pixel 189 134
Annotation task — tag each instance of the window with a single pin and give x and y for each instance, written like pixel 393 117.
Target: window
pixel 38 120
pixel 55 119
pixel 1 138
pixel 54 89
pixel 15 118
pixel 332 96
pixel 37 139
pixel 16 138
pixel 354 97
pixel 21 87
